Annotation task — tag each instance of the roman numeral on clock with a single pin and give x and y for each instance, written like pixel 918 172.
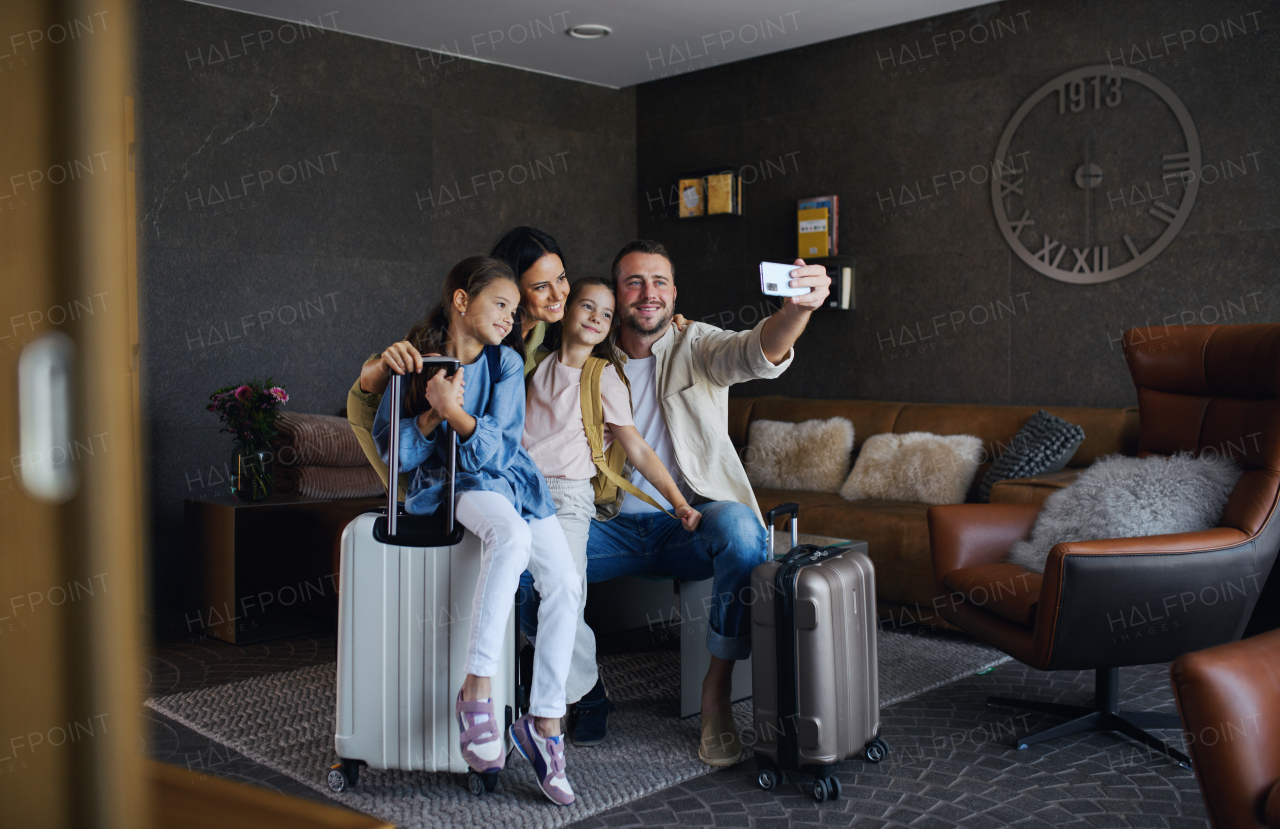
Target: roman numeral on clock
pixel 1177 162
pixel 1007 187
pixel 1164 212
pixel 1101 259
pixel 1128 241
pixel 1049 245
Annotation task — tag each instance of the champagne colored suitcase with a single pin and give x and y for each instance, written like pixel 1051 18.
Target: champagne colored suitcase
pixel 814 672
pixel 404 620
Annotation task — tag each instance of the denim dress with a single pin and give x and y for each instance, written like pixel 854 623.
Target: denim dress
pixel 492 459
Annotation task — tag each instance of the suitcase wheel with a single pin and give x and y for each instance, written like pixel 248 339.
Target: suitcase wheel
pixel 833 784
pixel 767 779
pixel 820 790
pixel 343 775
pixel 478 783
pixel 876 750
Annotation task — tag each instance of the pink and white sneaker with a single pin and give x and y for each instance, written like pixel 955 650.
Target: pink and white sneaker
pixel 547 756
pixel 480 735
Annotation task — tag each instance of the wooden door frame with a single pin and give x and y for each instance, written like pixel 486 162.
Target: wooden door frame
pixel 72 669
pixel 73 592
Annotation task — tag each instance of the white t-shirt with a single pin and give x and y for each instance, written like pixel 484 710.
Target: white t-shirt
pixel 647 415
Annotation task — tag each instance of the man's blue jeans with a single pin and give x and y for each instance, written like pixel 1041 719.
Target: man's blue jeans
pixel 728 544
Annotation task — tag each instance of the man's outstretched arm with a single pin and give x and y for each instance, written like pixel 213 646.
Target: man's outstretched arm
pixel 785 326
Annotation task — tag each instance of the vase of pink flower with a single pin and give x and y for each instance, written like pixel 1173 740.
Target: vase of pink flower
pixel 248 411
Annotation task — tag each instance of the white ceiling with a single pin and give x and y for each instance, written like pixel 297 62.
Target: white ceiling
pixel 650 37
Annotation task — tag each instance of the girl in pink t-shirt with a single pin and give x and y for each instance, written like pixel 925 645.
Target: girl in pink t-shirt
pixel 555 438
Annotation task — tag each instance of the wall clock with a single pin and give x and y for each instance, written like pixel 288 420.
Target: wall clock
pixel 1095 174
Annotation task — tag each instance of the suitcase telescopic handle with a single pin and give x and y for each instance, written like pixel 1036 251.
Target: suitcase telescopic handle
pixel 771 518
pixel 450 366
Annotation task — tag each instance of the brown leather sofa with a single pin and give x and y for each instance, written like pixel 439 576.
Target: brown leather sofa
pixel 1111 603
pixel 897 533
pixel 1229 699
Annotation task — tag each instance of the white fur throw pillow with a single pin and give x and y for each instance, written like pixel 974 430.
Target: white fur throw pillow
pixel 916 466
pixel 811 456
pixel 1123 497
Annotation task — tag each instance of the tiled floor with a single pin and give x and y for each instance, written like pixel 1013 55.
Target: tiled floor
pixel 950 762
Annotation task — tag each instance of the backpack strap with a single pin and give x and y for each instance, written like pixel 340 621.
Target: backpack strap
pixel 593 424
pixel 493 353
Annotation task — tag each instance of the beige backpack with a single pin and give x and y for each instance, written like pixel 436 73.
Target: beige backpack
pixel 609 464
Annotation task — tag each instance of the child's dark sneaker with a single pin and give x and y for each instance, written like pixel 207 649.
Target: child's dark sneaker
pixel 547 756
pixel 480 735
pixel 591 717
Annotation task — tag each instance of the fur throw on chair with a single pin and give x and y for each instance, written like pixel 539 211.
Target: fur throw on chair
pixel 1123 497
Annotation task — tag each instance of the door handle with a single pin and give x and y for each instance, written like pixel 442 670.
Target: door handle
pixel 44 416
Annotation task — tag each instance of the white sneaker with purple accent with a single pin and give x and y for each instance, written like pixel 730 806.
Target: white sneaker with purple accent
pixel 547 756
pixel 479 735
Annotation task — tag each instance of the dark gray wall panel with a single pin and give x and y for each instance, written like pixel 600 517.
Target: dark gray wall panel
pixel 862 118
pixel 340 256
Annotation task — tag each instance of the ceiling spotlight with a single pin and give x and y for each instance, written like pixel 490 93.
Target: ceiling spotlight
pixel 588 31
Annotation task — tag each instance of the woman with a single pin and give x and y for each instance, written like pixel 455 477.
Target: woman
pixel 538 263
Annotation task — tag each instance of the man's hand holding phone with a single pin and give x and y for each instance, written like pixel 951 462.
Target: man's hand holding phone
pixel 806 286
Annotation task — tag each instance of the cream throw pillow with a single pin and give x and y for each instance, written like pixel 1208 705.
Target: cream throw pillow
pixel 811 456
pixel 916 466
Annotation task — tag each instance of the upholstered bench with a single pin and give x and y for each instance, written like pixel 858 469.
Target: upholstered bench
pixel 639 602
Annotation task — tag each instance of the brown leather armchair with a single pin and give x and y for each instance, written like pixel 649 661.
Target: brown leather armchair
pixel 1134 601
pixel 1229 698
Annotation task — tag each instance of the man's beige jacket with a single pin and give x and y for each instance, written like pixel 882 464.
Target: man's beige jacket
pixel 693 373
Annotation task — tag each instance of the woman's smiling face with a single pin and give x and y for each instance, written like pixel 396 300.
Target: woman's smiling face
pixel 543 287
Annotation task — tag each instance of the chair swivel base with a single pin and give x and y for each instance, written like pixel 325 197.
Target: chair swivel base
pixel 1105 715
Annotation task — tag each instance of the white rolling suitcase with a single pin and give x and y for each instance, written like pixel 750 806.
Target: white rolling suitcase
pixel 404 618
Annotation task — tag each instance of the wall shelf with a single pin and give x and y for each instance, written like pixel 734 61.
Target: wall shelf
pixel 702 173
pixel 835 266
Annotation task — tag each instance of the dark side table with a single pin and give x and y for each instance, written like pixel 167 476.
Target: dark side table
pixel 266 568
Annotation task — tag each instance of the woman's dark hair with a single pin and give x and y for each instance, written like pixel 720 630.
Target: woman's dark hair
pixel 431 335
pixel 522 246
pixel 605 349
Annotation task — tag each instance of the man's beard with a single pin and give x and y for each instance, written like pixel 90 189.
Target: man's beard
pixel 633 323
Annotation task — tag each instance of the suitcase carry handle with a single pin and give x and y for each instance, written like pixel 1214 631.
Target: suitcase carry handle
pixel 771 518
pixel 411 530
pixel 809 553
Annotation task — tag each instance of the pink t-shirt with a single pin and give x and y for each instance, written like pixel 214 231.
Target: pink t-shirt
pixel 553 432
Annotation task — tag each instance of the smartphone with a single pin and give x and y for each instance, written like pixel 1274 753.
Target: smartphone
pixel 775 280
pixel 449 364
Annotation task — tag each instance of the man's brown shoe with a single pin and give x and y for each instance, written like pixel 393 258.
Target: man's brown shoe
pixel 720 744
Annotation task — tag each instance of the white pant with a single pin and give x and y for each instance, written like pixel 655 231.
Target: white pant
pixel 512 545
pixel 576 508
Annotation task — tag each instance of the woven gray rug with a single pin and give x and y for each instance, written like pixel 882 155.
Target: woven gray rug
pixel 285 722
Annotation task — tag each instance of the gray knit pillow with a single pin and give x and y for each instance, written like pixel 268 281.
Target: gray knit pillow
pixel 1122 497
pixel 1044 444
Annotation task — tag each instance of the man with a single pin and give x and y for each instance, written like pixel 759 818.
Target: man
pixel 679 395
